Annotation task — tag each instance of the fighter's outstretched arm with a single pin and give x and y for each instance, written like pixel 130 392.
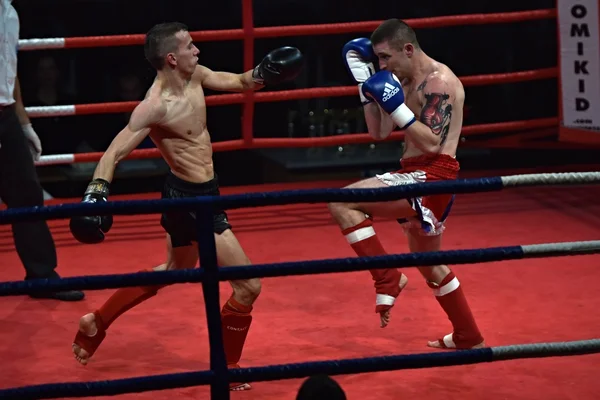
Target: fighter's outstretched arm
pixel 280 65
pixel 225 81
pixel 144 116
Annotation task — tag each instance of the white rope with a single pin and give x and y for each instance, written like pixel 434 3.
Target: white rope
pixel 562 248
pixel 56 159
pixel 41 44
pixel 50 111
pixel 550 349
pixel 561 178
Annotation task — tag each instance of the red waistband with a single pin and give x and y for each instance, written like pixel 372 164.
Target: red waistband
pixel 440 166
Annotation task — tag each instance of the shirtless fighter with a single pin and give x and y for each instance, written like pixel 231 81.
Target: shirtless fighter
pixel 424 99
pixel 173 114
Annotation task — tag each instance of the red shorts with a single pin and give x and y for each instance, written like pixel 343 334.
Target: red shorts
pixel 433 210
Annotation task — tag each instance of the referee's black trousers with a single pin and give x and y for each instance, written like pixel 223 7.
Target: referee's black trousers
pixel 20 187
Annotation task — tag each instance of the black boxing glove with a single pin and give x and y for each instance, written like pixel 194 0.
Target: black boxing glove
pixel 91 230
pixel 280 65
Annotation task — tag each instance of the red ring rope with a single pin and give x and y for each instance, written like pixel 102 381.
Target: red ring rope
pixel 337 140
pixel 249 33
pixel 292 30
pixel 283 95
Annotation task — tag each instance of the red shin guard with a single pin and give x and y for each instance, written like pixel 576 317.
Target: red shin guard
pixel 365 243
pixel 123 300
pixel 235 320
pixel 451 297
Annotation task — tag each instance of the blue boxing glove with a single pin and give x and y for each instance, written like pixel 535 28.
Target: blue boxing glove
pixel 359 56
pixel 386 90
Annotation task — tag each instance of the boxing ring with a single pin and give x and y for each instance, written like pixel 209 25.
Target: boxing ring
pixel 252 208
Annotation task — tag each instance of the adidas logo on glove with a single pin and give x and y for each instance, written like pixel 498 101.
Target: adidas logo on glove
pixel 389 91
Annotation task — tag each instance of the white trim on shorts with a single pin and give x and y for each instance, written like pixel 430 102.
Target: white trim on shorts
pixel 425 220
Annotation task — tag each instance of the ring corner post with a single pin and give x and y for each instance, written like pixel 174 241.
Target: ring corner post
pixel 207 252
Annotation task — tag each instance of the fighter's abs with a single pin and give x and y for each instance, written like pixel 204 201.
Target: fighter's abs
pixel 186 117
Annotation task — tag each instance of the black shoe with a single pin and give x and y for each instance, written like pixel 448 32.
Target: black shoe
pixel 67 295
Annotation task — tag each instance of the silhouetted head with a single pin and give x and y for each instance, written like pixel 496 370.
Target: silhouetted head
pixel 320 387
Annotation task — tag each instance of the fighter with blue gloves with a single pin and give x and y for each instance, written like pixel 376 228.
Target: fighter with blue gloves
pixel 424 99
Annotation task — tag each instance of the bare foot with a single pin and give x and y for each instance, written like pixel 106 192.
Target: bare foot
pixel 385 316
pixel 448 343
pixel 87 325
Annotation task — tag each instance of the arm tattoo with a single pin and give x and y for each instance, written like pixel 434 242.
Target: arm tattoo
pixel 436 114
pixel 422 85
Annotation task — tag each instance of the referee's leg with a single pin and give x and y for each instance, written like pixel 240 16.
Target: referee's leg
pixel 20 187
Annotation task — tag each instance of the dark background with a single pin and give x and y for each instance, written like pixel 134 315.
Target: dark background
pixel 56 77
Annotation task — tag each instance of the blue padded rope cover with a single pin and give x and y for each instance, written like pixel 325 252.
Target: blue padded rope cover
pixel 225 202
pixel 300 370
pixel 352 264
pixel 109 387
pixel 97 282
pixel 468 256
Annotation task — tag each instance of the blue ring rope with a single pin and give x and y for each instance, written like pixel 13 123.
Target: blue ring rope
pixel 210 276
pixel 260 199
pixel 336 265
pixel 299 370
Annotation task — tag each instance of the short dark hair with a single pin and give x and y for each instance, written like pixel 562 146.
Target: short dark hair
pixel 160 40
pixel 396 32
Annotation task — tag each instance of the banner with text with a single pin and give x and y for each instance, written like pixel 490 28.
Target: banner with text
pixel 579 43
